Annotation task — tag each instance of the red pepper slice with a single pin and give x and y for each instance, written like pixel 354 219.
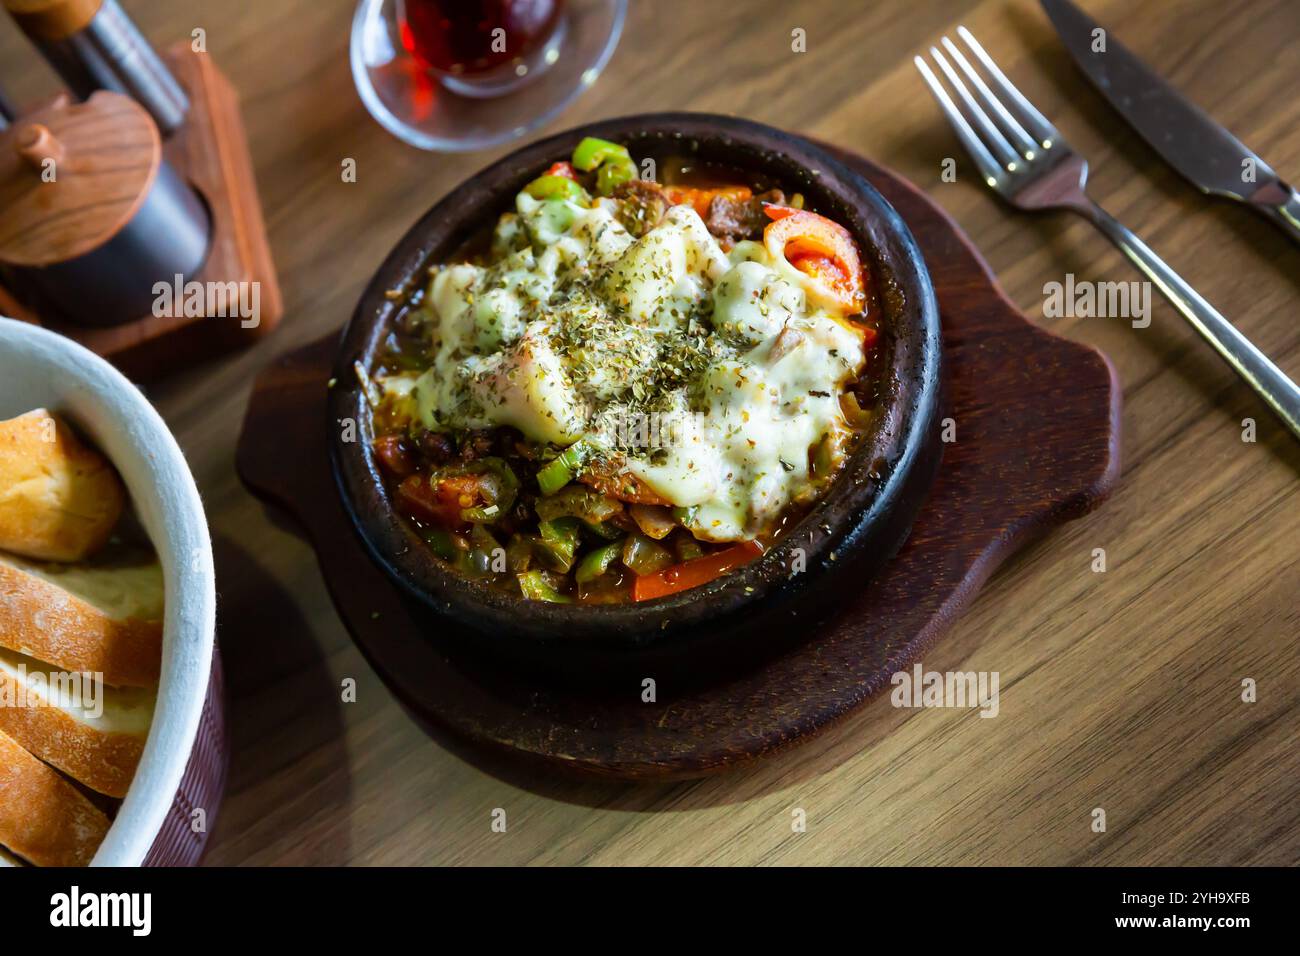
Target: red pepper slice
pixel 820 248
pixel 693 573
pixel 563 169
pixel 775 212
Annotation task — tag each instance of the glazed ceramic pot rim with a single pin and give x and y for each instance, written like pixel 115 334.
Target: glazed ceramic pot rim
pixel 469 208
pixel 39 368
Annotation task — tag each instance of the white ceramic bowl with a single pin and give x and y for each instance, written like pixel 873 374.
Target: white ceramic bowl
pixel 41 369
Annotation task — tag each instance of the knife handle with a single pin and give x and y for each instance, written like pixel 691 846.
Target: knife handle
pixel 1269 382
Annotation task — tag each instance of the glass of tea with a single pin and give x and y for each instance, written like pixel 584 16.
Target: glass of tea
pixel 468 74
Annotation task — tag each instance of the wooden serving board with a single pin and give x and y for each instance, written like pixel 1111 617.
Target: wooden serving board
pixel 1036 420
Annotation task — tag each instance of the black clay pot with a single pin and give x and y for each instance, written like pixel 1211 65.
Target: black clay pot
pixel 853 530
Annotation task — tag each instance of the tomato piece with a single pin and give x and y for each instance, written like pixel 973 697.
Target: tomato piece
pixel 700 199
pixel 693 573
pixel 416 499
pixel 828 270
pixel 821 249
pixel 393 455
pixel 459 492
pixel 775 212
pixel 439 501
pixel 818 266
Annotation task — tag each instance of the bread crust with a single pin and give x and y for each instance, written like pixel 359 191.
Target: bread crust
pixel 104 762
pixel 59 499
pixel 43 818
pixel 42 620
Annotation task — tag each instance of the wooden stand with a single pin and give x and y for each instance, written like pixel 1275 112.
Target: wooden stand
pixel 1037 439
pixel 211 153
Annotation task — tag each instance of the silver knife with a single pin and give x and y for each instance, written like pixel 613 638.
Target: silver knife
pixel 1200 149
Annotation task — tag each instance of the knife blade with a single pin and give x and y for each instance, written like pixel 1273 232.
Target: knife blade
pixel 1200 149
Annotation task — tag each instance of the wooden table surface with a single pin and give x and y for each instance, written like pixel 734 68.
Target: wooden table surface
pixel 1120 690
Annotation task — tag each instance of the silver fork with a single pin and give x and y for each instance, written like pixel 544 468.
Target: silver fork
pixel 1026 161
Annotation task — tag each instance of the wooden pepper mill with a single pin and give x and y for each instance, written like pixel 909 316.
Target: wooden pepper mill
pixel 92 217
pixel 149 179
pixel 94 45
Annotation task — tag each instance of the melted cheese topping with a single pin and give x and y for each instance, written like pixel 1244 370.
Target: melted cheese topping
pixel 709 376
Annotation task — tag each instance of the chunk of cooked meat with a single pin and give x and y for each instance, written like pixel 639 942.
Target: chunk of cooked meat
pixel 736 219
pixel 644 205
pixel 612 481
pixel 475 444
pixel 436 447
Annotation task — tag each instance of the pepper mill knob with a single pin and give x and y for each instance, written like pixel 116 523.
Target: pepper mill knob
pixel 35 143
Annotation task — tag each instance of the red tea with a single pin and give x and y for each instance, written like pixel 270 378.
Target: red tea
pixel 475 36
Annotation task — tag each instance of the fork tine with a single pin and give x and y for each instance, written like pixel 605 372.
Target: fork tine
pixel 1034 121
pixel 988 166
pixel 989 133
pixel 1024 143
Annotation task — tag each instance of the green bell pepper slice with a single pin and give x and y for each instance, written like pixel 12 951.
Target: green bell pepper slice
pixel 580 502
pixel 441 543
pixel 558 187
pixel 613 174
pixel 644 556
pixel 612 162
pixel 563 469
pixel 519 553
pixel 603 530
pixel 535 587
pixel 686 547
pixel 558 543
pixel 597 562
pixel 592 152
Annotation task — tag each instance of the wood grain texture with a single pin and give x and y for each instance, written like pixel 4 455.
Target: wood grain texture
pixel 106 152
pixel 1120 689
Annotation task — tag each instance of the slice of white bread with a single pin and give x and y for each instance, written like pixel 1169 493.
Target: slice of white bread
pixel 59 499
pixel 43 818
pixel 104 617
pixel 92 732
